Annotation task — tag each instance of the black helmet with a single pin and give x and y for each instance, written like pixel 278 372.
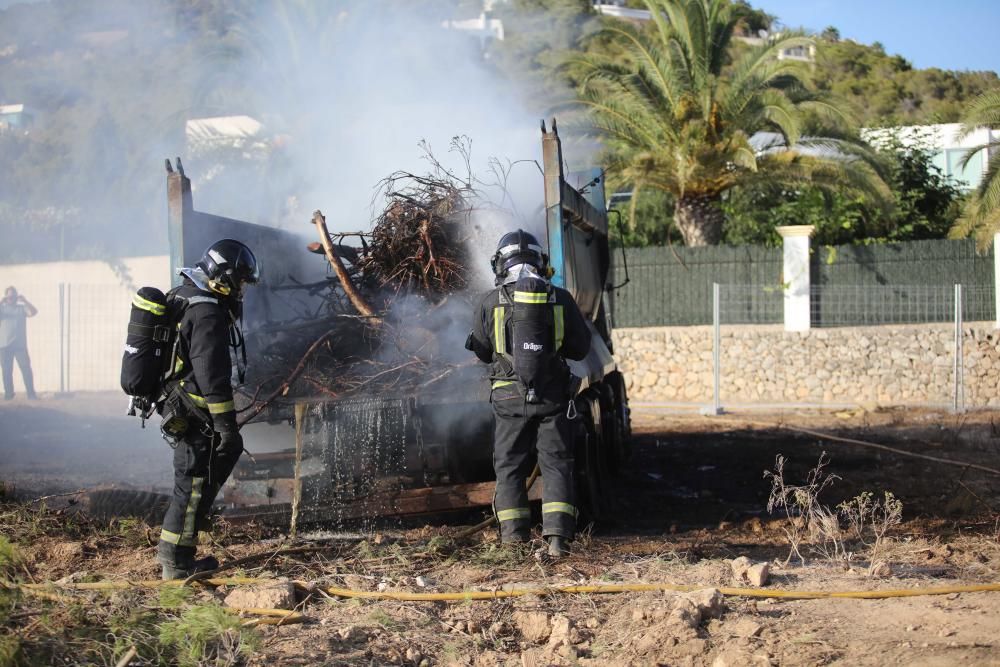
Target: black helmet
pixel 515 248
pixel 228 264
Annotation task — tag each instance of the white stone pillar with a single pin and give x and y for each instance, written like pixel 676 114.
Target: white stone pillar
pixel 996 276
pixel 795 276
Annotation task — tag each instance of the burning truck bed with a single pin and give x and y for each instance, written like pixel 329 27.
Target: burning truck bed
pixel 356 341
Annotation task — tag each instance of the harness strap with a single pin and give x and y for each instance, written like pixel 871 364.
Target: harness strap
pixel 560 326
pixel 238 343
pixel 159 332
pixel 499 330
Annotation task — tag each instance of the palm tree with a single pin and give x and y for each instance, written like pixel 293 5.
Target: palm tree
pixel 982 213
pixel 677 115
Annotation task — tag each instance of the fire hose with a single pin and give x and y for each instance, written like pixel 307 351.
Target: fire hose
pixel 461 596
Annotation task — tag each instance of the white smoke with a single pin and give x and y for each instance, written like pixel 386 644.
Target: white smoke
pixel 351 89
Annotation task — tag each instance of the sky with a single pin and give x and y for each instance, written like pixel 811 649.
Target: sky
pixel 958 35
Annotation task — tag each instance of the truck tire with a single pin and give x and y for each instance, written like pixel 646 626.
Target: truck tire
pixel 590 464
pixel 108 504
pixel 613 441
pixel 622 416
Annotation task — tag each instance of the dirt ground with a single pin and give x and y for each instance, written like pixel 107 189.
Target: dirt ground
pixel 692 498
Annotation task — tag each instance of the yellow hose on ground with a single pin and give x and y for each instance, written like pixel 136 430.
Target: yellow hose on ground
pixel 540 590
pixel 625 588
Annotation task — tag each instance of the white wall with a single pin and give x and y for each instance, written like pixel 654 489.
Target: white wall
pixel 944 140
pixel 96 312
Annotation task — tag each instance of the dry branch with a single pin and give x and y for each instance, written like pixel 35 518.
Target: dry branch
pixel 288 381
pixel 410 263
pixel 357 300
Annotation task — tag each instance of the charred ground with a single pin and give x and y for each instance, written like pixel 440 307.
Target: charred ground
pixel 692 498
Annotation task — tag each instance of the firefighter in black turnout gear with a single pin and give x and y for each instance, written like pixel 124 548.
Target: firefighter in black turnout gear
pixel 526 328
pixel 199 416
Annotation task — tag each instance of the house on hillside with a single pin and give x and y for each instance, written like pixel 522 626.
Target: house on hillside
pixel 617 9
pixel 15 117
pixel 949 151
pixel 234 133
pixel 483 27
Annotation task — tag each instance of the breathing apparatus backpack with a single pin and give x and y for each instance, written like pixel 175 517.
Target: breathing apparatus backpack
pixel 148 351
pixel 535 336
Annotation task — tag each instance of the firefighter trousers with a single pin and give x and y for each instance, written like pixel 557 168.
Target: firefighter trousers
pixel 522 429
pixel 200 470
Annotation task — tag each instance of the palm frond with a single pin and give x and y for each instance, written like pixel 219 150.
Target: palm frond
pixel 673 117
pixel 978 223
pixel 837 120
pixel 793 168
pixel 762 66
pixel 982 111
pixel 612 120
pixel 653 63
pixel 781 114
pixel 988 192
pixel 972 151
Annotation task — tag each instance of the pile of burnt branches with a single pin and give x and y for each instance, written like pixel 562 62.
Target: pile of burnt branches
pixel 417 242
pixel 416 252
pixel 348 359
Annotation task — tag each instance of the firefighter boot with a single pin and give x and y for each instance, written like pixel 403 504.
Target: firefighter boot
pixel 180 563
pixel 185 570
pixel 558 546
pixel 515 537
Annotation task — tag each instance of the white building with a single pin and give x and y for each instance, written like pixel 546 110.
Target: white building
pixel 241 133
pixel 949 150
pixel 14 117
pixel 482 27
pixel 617 9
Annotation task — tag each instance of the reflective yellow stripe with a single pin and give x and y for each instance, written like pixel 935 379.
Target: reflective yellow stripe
pixel 516 513
pixel 565 508
pixel 145 304
pixel 502 383
pixel 499 340
pixel 167 536
pixel 198 400
pixel 174 538
pixel 531 297
pixel 560 325
pixel 219 408
pixel 178 366
pixel 192 509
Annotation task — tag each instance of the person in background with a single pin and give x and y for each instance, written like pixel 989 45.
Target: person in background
pixel 14 310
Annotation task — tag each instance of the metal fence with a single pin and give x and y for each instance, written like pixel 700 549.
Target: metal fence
pixel 859 305
pixel 862 305
pixel 851 284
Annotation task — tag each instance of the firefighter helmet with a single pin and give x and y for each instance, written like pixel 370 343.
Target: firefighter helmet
pixel 228 264
pixel 519 247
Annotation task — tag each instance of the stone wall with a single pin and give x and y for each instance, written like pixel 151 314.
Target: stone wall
pixel 886 365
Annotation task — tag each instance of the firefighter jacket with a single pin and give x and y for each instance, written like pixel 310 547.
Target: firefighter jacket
pixel 202 366
pixel 490 339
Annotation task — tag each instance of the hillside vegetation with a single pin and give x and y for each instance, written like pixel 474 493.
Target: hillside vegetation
pixel 112 82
